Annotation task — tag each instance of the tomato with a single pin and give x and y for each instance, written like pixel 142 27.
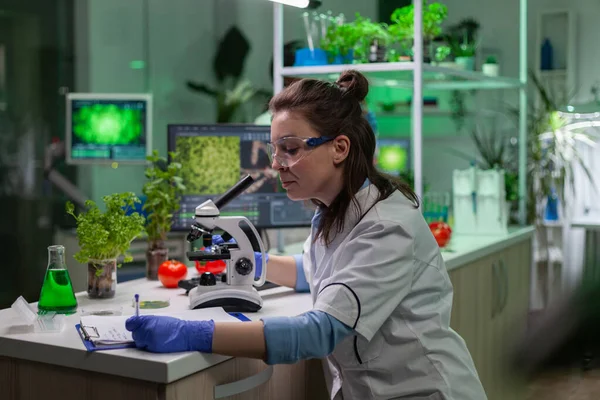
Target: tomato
pixel 171 272
pixel 441 232
pixel 215 267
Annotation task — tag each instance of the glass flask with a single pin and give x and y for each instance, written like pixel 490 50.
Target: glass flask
pixel 57 290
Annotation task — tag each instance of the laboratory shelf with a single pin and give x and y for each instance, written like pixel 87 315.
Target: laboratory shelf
pixel 401 75
pixel 419 77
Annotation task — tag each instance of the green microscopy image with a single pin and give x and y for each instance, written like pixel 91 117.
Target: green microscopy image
pixel 211 164
pixel 107 124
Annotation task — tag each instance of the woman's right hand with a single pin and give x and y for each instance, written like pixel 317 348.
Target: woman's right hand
pixel 217 239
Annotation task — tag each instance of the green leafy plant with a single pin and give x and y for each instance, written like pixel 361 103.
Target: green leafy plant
pixel 162 189
pixel 552 149
pixel 462 49
pixel 403 21
pixel 442 53
pixel 107 235
pixel 231 91
pixel 491 60
pixel 341 39
pixel 368 32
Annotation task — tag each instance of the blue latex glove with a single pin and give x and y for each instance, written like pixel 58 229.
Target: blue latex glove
pixel 163 334
pixel 217 239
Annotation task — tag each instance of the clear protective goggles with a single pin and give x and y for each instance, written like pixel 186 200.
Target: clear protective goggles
pixel 289 150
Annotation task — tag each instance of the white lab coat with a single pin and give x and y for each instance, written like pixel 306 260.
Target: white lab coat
pixel 385 277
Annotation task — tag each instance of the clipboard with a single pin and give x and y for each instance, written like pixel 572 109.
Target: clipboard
pixel 91 346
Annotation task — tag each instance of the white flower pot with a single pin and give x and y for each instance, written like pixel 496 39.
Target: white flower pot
pixel 490 69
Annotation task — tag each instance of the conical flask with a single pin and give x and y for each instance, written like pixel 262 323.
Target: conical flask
pixel 57 290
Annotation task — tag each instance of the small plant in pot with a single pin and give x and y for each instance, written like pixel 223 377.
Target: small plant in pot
pixel 162 189
pixel 402 29
pixel 104 237
pixel 490 67
pixel 373 41
pixel 340 41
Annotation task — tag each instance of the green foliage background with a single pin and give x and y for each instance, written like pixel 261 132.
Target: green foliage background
pixel 210 165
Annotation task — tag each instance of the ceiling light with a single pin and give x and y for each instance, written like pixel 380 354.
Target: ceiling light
pixel 300 3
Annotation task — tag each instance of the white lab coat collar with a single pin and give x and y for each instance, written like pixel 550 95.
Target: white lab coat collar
pixel 366 198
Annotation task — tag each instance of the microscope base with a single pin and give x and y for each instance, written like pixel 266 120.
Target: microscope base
pixel 231 298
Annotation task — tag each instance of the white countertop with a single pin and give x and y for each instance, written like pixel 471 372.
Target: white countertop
pixel 464 249
pixel 66 349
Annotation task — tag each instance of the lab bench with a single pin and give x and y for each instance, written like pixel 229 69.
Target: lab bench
pixel 491 298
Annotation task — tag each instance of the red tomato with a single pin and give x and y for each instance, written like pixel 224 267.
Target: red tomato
pixel 441 232
pixel 215 267
pixel 171 272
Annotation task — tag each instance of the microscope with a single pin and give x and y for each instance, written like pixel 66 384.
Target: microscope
pixel 235 289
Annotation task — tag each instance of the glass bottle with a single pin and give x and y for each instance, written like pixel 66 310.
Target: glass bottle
pixel 57 290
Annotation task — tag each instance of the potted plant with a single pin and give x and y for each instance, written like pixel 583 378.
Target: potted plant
pixel 373 41
pixel 402 29
pixel 162 189
pixel 464 55
pixel 340 41
pixel 490 67
pixel 104 237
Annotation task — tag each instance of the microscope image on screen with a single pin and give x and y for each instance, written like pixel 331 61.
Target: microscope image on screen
pixel 206 157
pixel 215 157
pixel 255 162
pixel 105 128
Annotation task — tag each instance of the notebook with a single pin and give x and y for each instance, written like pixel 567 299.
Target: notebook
pixel 109 332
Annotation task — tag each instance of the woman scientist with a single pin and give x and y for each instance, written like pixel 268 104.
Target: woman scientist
pixel 381 293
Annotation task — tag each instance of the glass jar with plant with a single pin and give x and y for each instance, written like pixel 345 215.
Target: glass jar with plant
pixel 104 237
pixel 162 189
pixel 402 28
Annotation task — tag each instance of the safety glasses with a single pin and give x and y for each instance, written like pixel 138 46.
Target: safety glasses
pixel 291 149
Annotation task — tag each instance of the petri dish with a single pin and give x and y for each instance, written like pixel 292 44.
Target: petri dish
pixel 102 310
pixel 153 302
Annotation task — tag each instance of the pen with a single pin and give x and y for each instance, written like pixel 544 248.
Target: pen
pixel 137 305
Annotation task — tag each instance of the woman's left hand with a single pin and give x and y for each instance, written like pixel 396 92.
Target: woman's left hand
pixel 163 334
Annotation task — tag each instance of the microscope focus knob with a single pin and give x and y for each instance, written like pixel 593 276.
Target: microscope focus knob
pixel 243 266
pixel 208 279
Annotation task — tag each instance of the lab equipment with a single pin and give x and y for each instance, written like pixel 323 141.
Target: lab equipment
pixel 57 290
pixel 435 206
pixel 237 293
pixel 479 202
pixel 137 304
pixel 49 322
pixel 215 157
pixel 108 128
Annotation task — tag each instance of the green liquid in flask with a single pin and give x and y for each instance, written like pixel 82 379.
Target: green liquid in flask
pixel 57 290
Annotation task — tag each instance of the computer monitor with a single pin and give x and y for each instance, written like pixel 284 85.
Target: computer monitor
pixel 393 156
pixel 107 128
pixel 215 157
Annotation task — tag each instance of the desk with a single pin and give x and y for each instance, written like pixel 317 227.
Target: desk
pixel 48 366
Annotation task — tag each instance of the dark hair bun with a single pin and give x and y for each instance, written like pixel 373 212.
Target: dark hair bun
pixel 354 84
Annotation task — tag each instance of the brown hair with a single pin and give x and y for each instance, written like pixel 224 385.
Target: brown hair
pixel 333 109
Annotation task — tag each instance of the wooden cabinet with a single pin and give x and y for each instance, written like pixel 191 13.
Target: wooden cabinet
pixel 27 380
pixel 491 302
